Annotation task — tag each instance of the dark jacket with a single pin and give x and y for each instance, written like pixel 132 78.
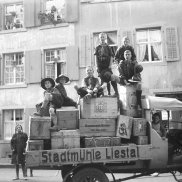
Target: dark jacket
pixel 57 99
pixel 127 69
pixel 18 146
pixel 103 57
pixel 91 83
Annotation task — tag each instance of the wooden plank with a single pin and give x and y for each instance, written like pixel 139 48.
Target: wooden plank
pixel 83 155
pixel 105 107
pixel 97 127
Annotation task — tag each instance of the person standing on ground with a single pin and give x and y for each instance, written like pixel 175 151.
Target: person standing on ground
pixel 104 56
pixel 18 146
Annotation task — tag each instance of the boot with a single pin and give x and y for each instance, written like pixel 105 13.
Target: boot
pixel 114 85
pixel 138 96
pixel 54 121
pixel 109 88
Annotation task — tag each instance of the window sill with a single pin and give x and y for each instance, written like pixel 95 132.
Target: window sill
pixel 13 86
pixel 156 63
pixel 43 27
pixel 13 31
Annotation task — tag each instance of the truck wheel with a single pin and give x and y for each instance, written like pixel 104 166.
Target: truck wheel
pixel 90 175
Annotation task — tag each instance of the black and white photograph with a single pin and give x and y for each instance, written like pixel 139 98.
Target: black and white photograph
pixel 91 90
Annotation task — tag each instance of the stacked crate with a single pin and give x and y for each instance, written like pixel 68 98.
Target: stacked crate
pixel 98 122
pixel 39 133
pixel 68 135
pixel 140 131
pixel 132 129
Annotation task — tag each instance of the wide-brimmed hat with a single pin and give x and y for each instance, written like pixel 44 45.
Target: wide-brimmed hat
pixel 62 76
pixel 47 79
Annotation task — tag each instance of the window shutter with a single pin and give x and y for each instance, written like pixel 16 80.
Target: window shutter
pixel 171 44
pixel 1 17
pixel 29 10
pixel 72 62
pixel 85 52
pixel 33 66
pixel 1 70
pixel 38 8
pixel 2 123
pixel 72 11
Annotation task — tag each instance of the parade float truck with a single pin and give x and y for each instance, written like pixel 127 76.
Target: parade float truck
pixel 107 135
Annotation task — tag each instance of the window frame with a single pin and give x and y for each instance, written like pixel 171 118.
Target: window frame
pixel 5 15
pixel 22 122
pixel 149 43
pixel 3 69
pixel 55 62
pixel 46 14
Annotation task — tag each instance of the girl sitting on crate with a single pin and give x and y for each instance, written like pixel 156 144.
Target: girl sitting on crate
pixel 90 86
pixel 52 100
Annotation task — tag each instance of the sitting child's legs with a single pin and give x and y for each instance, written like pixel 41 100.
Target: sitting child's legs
pixel 53 117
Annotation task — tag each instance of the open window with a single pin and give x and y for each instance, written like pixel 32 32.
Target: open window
pixel 13 16
pixel 54 12
pixel 55 62
pixel 111 40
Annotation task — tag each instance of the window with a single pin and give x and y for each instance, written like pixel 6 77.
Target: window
pixel 11 118
pixel 54 12
pixel 14 16
pixel 14 68
pixel 111 40
pixel 149 46
pixel 55 62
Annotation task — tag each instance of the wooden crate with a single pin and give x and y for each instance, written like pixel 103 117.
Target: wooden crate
pixel 104 107
pixel 65 139
pixel 68 118
pixel 141 140
pixel 124 126
pixel 97 127
pixel 39 127
pixel 35 145
pixel 127 96
pixel 102 141
pixel 139 127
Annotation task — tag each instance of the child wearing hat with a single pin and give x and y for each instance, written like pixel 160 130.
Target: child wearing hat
pixel 61 80
pixel 52 100
pixel 90 86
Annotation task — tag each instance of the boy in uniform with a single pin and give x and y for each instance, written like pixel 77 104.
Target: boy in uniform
pixel 104 61
pixel 119 56
pixel 90 86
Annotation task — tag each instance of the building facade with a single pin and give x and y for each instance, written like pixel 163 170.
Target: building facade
pixel 45 38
